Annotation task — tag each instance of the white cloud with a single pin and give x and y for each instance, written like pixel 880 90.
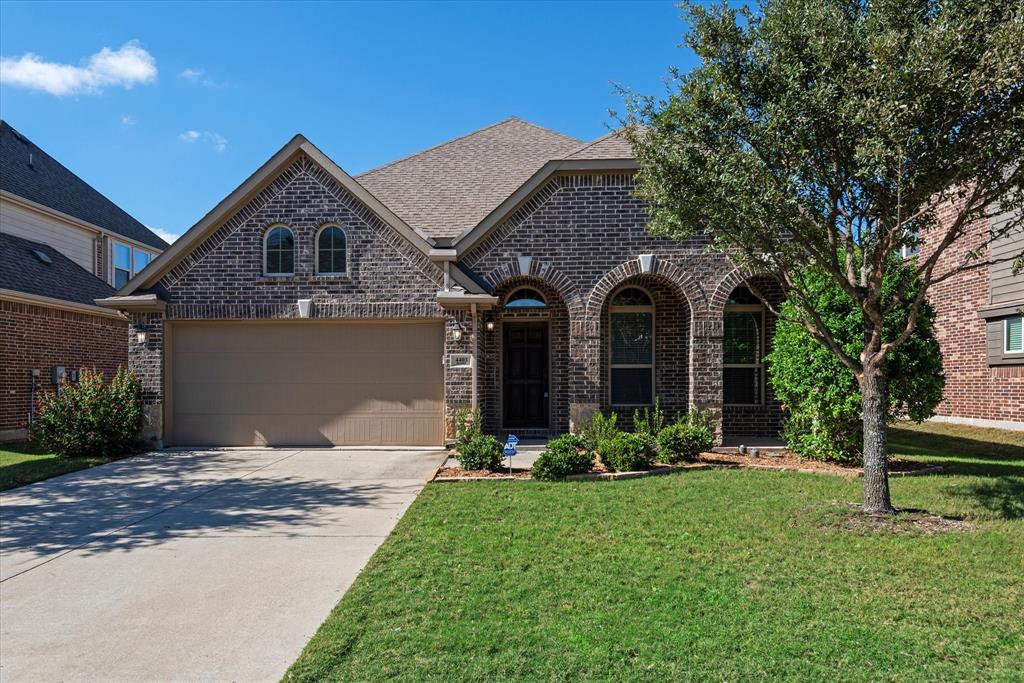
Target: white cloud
pixel 198 77
pixel 128 120
pixel 218 141
pixel 125 67
pixel 165 235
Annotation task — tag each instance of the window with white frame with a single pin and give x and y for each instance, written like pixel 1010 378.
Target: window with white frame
pixel 127 261
pixel 743 349
pixel 1013 335
pixel 631 322
pixel 279 251
pixel 331 251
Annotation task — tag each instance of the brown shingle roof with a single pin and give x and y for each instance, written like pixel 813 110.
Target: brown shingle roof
pixel 445 190
pixel 610 146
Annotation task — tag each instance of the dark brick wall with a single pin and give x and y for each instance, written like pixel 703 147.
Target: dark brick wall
pixel 38 337
pixel 974 389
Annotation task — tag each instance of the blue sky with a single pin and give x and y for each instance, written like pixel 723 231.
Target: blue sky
pixel 167 107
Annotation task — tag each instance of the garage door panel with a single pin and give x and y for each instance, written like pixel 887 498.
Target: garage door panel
pixel 297 383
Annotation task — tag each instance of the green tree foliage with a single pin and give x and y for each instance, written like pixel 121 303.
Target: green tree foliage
pixel 827 135
pixel 822 394
pixel 90 418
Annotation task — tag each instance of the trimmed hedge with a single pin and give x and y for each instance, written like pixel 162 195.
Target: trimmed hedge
pixel 564 456
pixel 626 453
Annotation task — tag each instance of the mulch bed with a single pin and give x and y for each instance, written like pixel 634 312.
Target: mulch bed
pixel 789 461
pixel 851 517
pixel 777 460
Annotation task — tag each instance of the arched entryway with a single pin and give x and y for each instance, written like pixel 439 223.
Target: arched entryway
pixel 526 360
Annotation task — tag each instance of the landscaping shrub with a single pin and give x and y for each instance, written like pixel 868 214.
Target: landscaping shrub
pixel 480 452
pixel 599 429
pixel 683 441
pixel 822 394
pixel 626 453
pixel 90 418
pixel 564 456
pixel 468 425
pixel 648 423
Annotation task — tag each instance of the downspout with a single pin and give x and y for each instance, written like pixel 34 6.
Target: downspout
pixel 476 343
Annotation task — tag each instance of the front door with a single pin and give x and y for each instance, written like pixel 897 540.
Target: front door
pixel 525 375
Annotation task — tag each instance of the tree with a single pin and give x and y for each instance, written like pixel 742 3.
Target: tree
pixel 831 134
pixel 822 395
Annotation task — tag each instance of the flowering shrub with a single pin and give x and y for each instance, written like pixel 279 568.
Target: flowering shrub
pixel 90 418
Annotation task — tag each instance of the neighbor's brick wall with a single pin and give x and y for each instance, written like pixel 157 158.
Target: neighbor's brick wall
pixel 38 337
pixel 973 388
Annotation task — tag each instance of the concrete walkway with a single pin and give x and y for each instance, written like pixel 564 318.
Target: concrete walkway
pixel 191 565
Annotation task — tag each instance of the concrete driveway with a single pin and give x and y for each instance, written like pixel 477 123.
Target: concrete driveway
pixel 197 565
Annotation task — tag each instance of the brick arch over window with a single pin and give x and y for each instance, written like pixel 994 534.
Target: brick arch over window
pixel 735 278
pixel 688 287
pixel 542 272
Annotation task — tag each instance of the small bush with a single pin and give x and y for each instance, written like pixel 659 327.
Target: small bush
pixel 599 429
pixel 468 425
pixel 626 453
pixel 683 441
pixel 481 452
pixel 564 456
pixel 90 418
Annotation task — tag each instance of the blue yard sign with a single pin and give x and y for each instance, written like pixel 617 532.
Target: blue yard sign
pixel 510 449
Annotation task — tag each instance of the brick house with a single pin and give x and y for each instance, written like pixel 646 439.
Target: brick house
pixel 979 328
pixel 509 269
pixel 62 245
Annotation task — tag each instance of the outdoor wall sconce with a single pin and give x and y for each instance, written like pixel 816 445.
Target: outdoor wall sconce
pixel 141 337
pixel 457 332
pixel 489 326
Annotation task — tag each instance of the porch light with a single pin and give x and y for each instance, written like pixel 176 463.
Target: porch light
pixel 457 332
pixel 141 336
pixel 489 325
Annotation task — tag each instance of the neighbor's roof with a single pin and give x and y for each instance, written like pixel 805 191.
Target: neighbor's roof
pixel 610 146
pixel 446 190
pixel 46 181
pixel 22 271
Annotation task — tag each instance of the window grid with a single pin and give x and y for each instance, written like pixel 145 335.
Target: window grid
pixel 331 251
pixel 758 365
pixel 279 252
pixel 634 301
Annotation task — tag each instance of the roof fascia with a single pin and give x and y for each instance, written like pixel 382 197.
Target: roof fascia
pixel 139 303
pixel 53 302
pixel 470 238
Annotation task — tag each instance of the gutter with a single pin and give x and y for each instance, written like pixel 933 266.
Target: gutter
pixel 61 304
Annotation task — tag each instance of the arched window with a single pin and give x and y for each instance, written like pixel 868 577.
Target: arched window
pixel 743 349
pixel 279 252
pixel 631 322
pixel 331 251
pixel 525 297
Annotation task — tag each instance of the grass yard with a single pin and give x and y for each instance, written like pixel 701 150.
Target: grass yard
pixel 23 463
pixel 707 574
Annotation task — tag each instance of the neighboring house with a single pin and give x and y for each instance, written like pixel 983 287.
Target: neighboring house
pixel 508 269
pixel 979 327
pixel 62 245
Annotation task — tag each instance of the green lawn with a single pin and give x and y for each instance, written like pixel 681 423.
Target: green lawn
pixel 23 463
pixel 706 574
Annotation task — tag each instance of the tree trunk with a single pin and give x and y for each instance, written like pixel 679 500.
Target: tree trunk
pixel 876 448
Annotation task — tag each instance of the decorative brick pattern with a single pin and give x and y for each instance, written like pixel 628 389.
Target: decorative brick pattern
pixel 38 337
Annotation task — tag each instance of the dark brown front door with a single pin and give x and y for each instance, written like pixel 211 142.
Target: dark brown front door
pixel 525 380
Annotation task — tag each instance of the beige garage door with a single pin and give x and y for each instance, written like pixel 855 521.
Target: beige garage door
pixel 306 383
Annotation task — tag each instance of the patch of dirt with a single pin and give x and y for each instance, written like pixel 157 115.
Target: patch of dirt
pixel 458 473
pixel 788 460
pixel 850 517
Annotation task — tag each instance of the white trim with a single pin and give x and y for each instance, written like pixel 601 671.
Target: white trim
pixel 132 269
pixel 1006 335
pixel 632 366
pixel 539 293
pixel 62 304
pixel 316 251
pixel 295 245
pixel 979 422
